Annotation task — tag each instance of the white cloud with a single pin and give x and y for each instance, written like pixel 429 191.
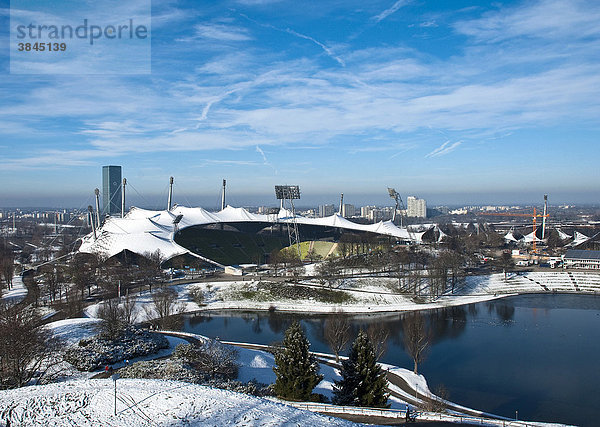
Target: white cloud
pixel 219 31
pixel 251 99
pixel 400 3
pixel 257 2
pixel 444 149
pixel 326 49
pixel 542 19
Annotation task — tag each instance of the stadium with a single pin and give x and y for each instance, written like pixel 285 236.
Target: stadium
pixel 228 237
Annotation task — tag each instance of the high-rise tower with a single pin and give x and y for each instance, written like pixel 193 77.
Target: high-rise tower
pixel 111 190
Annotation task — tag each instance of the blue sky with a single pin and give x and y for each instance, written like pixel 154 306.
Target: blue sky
pixel 454 101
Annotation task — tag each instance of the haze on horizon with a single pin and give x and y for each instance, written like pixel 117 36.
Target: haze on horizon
pixel 453 102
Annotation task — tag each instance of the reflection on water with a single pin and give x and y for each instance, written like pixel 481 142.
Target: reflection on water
pixel 534 354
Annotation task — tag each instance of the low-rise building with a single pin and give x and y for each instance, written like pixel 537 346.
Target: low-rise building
pixel 575 258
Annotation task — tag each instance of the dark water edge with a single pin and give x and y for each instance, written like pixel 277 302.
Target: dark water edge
pixel 535 354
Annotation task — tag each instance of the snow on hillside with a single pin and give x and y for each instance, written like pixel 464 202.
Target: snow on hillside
pixel 145 403
pixel 17 292
pixel 71 331
pixel 368 294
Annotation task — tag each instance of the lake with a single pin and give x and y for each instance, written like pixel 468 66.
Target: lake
pixel 535 354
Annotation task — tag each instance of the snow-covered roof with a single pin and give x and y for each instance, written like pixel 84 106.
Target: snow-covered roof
pixel 145 231
pixel 510 237
pixel 562 234
pixel 531 237
pixel 578 239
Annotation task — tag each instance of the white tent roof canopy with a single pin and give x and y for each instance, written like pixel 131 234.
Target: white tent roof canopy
pixel 145 231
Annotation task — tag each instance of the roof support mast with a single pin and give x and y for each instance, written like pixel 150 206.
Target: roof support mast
pixel 97 193
pixel 341 204
pixel 123 198
pixel 223 195
pixel 170 200
pixel 91 215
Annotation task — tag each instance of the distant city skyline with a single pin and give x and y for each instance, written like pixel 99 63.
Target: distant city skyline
pixel 454 102
pixel 237 199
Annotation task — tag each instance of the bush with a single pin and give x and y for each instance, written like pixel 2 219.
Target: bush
pixel 197 296
pixel 101 350
pixel 266 291
pixel 177 369
pixel 211 358
pixel 168 369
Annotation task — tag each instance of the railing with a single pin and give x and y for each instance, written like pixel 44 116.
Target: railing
pixel 350 410
pixel 326 408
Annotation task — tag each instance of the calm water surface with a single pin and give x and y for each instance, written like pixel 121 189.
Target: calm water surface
pixel 538 355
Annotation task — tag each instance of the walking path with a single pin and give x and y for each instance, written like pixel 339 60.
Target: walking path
pixel 398 387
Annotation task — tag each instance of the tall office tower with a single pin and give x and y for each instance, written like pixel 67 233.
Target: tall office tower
pixel 416 207
pixel 366 210
pixel 348 210
pixel 111 190
pixel 375 215
pixel 326 210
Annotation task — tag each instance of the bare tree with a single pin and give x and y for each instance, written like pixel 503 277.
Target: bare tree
pixel 506 263
pixel 7 265
pixel 437 402
pixel 275 259
pixel 149 268
pixel 112 315
pixel 164 305
pixel 24 346
pixel 415 337
pixel 337 332
pixel 313 256
pixel 82 271
pixel 130 313
pixel 378 335
pixel 328 272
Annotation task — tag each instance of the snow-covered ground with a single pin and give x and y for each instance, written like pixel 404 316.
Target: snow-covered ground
pixel 254 364
pixel 146 403
pixel 17 293
pixel 79 400
pixel 371 294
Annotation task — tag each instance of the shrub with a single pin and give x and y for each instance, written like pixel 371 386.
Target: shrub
pixel 211 358
pixel 197 296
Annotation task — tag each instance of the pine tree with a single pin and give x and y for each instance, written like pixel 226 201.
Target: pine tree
pixel 363 381
pixel 296 369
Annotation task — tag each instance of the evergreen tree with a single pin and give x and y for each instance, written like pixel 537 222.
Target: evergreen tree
pixel 296 369
pixel 363 381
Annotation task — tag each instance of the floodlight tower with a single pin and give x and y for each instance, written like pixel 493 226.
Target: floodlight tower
pixel 399 204
pixel 290 193
pixel 396 196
